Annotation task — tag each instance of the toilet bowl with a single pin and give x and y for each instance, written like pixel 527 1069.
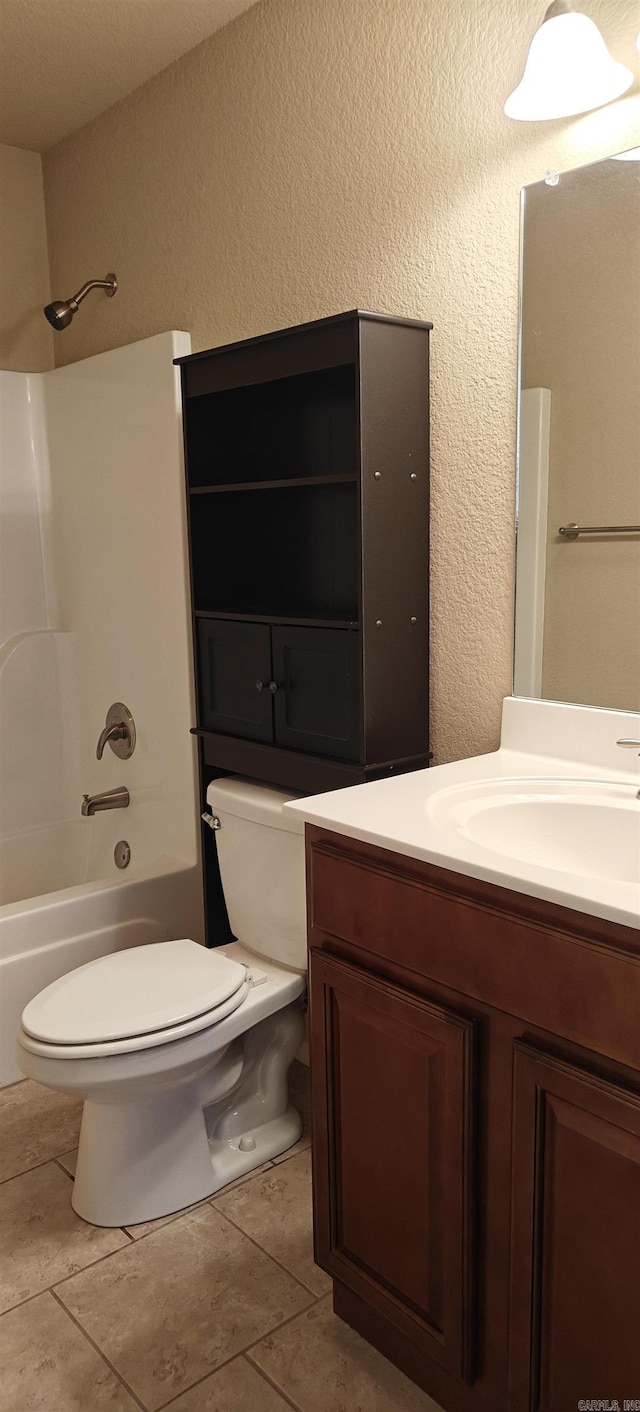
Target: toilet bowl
pixel 181 1053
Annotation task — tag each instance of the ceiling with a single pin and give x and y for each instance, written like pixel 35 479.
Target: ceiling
pixel 64 61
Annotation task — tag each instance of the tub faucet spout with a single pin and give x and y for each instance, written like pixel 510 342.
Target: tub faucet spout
pixel 109 799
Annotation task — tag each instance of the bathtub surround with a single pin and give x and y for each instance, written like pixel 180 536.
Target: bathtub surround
pixel 308 158
pixel 94 610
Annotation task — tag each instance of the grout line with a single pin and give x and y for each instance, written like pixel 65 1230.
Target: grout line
pixel 36 1166
pixel 99 1351
pixel 261 1248
pixel 239 1353
pixel 63 1169
pixel 50 1289
pixel 199 1381
pixel 286 1397
pixel 94 1263
pixel 317 1299
pixel 27 1300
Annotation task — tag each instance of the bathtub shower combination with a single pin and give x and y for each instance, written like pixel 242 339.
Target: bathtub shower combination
pixel 93 610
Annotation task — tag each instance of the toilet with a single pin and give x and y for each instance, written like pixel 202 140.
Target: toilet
pixel 181 1053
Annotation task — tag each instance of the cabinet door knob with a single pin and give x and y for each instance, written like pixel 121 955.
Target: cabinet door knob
pixel 260 685
pixel 273 687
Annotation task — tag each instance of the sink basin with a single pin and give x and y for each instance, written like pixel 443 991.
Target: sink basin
pixel 590 828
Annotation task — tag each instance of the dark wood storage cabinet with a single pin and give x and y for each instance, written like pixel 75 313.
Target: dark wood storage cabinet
pixel 307 462
pixel 476 1101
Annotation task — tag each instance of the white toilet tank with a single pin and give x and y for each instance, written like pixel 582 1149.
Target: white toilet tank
pixel 261 855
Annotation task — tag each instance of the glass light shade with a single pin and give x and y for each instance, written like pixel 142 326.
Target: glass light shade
pixel 568 70
pixel 631 155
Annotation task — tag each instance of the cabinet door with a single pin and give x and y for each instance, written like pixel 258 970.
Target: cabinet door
pixel 575 1287
pixel 316 702
pixel 393 1154
pixel 234 662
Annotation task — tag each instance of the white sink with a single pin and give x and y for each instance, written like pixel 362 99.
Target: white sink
pixel 588 828
pixel 553 813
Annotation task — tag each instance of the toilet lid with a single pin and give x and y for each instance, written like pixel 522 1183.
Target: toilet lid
pixel 133 992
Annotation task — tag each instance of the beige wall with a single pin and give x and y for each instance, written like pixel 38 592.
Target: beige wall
pixel 311 157
pixel 581 339
pixel 26 340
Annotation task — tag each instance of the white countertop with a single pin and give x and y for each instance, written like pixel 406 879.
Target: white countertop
pixel 543 741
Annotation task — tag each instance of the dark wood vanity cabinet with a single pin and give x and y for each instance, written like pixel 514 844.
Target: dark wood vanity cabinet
pixel 476 1098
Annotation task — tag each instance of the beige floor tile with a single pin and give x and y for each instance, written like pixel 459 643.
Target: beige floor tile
pixel 323 1366
pixel 36 1124
pixel 41 1238
pixel 236 1388
pixel 47 1364
pixel 169 1309
pixel 145 1227
pixel 275 1210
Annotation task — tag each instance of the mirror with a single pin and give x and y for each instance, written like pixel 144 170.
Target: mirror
pixel 577 634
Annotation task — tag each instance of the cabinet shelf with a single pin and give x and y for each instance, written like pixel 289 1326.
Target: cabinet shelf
pixel 281 619
pixel 288 483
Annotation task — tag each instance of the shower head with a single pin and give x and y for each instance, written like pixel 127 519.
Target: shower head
pixel 61 311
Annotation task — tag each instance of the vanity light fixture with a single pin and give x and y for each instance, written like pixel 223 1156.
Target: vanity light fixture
pixel 568 70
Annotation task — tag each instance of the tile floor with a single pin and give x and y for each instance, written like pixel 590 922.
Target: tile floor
pixel 218 1309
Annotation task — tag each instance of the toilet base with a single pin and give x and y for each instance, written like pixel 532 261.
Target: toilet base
pixel 140 1160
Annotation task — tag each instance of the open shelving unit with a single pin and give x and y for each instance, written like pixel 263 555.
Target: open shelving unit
pixel 307 464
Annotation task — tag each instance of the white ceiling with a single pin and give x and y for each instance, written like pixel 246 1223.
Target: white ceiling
pixel 64 61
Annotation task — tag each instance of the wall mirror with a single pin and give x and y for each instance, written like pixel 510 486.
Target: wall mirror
pixel 577 632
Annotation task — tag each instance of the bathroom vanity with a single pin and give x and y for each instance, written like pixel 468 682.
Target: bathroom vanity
pixel 476 1074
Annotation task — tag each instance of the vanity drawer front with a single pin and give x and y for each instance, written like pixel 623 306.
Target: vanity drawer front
pixel 394 1093
pixel 415 921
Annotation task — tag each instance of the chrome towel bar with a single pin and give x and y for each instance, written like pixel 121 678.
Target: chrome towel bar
pixel 572 531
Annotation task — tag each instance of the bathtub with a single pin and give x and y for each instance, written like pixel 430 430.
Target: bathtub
pixel 43 937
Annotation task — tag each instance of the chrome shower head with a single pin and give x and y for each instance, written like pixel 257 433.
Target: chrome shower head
pixel 61 311
pixel 59 314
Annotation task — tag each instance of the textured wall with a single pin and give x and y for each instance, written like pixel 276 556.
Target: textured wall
pixel 316 156
pixel 581 339
pixel 26 340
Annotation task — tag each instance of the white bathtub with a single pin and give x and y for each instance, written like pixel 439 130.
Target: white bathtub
pixel 43 937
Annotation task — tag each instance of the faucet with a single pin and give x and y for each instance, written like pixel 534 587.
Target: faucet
pixel 119 732
pixel 113 732
pixel 109 799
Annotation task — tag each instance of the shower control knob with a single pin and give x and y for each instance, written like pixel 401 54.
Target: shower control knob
pixel 119 732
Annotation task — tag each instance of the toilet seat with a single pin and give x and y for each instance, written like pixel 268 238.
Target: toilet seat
pixel 134 1000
